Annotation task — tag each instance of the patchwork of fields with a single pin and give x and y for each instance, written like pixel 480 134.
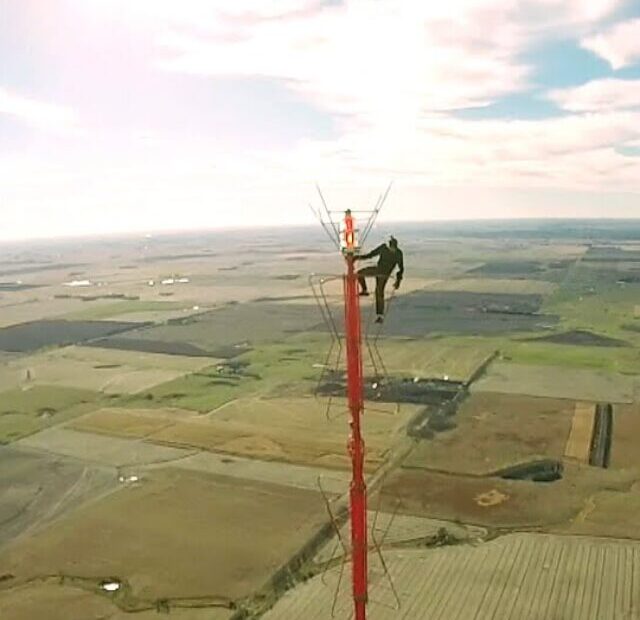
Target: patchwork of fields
pixel 161 426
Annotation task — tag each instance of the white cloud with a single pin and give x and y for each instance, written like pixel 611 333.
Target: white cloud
pixel 576 152
pixel 599 95
pixel 36 113
pixel 619 45
pixel 377 63
pixel 390 73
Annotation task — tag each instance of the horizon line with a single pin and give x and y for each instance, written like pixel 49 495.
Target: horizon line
pixel 150 233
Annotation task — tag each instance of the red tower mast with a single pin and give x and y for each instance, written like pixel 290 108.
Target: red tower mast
pixel 358 489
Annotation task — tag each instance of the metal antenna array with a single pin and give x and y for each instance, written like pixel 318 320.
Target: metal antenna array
pixel 345 237
pixel 327 219
pixel 340 543
pixel 318 282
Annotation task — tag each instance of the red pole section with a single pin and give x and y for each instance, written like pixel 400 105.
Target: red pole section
pixel 358 489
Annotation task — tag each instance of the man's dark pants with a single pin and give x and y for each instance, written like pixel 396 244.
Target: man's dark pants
pixel 381 282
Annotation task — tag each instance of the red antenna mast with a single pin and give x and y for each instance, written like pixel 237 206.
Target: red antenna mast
pixel 349 244
pixel 355 394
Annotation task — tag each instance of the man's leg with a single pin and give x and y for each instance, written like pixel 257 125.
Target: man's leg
pixel 365 271
pixel 381 282
pixel 363 285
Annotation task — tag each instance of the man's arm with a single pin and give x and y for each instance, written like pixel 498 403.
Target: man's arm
pixel 400 272
pixel 374 252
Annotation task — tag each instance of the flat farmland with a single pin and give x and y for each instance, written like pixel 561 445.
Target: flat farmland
pixel 581 435
pixel 624 442
pixel 27 337
pixel 182 455
pixel 521 575
pixel 293 430
pixel 40 306
pixel 581 338
pixel 37 488
pixel 551 270
pixel 101 370
pixel 159 310
pixel 557 382
pixel 428 313
pixel 162 347
pixel 101 450
pixel 597 300
pixel 123 452
pixel 497 285
pixel 174 535
pixel 25 411
pixel 622 360
pixel 608 513
pixel 390 529
pixel 496 502
pixel 495 431
pixel 55 601
pixel 134 423
pixel 252 323
pixel 434 358
pixel 200 391
pixel 287 368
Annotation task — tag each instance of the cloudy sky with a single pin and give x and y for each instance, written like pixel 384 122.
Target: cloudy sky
pixel 144 115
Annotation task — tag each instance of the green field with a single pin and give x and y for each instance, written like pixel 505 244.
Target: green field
pixel 455 358
pixel 123 307
pixel 25 411
pixel 268 370
pixel 622 360
pixel 101 370
pixel 595 298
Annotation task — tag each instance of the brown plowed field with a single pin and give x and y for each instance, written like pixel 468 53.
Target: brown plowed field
pixel 293 430
pixel 494 431
pixel 496 502
pixel 175 534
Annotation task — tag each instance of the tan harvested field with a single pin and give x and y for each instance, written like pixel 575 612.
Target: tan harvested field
pixel 134 423
pixel 518 576
pixel 159 316
pixel 134 456
pixel 608 513
pixel 36 488
pixel 294 430
pixel 43 306
pixel 582 426
pixel 99 449
pixel 104 370
pixel 386 528
pixel 433 359
pixel 136 359
pixel 491 285
pixel 494 431
pixel 177 534
pixel 142 315
pixel 495 502
pixel 55 601
pixel 557 382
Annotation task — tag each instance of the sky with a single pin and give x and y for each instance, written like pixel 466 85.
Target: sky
pixel 149 115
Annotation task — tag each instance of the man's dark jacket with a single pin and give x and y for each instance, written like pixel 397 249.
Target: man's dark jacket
pixel 387 261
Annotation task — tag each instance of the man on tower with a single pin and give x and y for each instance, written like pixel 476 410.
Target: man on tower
pixel 390 256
